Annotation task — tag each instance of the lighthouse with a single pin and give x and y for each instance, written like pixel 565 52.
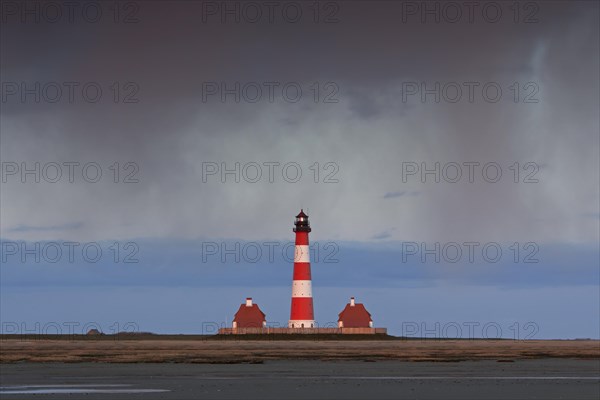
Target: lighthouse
pixel 302 314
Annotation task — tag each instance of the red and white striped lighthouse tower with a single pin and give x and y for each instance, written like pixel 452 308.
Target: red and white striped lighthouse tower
pixel 302 315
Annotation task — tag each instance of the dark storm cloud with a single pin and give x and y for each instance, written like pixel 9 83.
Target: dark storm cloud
pixel 382 235
pixel 369 56
pixel 393 195
pixel 27 228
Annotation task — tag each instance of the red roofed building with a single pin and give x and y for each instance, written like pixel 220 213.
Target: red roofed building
pixel 355 315
pixel 249 316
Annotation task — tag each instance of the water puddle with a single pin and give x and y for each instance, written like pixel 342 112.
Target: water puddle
pixel 75 389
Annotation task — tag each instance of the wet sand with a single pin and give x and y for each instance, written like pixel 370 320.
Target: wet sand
pixel 304 379
pixel 192 368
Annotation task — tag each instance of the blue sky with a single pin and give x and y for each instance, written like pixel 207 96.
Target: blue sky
pixel 171 289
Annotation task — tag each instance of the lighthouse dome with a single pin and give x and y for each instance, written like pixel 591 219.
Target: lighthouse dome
pixel 302 214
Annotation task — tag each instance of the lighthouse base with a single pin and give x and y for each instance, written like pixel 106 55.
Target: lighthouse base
pixel 307 331
pixel 295 323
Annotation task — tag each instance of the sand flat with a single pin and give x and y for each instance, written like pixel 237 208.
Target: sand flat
pixel 240 351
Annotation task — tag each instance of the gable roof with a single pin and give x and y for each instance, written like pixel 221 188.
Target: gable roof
pixel 355 316
pixel 249 316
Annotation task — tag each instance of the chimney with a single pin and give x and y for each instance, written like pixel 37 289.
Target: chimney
pixel 248 301
pixel 351 301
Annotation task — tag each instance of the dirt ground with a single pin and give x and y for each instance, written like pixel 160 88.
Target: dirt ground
pixel 254 351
